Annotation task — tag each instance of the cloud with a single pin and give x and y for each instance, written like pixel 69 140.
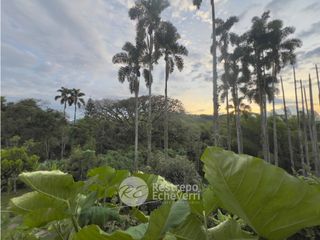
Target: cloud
pixel 278 5
pixel 314 7
pixel 313 30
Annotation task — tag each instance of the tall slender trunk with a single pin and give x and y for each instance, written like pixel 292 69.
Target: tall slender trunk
pixel 309 122
pixel 149 123
pixel 314 131
pixel 62 137
pixel 166 109
pixel 215 79
pixel 298 123
pixel 228 123
pixel 288 128
pixel 136 134
pixel 275 136
pixel 238 121
pixel 305 138
pixel 75 113
pixel 266 129
pixel 318 82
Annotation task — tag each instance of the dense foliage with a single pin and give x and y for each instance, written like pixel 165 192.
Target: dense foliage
pixel 60 208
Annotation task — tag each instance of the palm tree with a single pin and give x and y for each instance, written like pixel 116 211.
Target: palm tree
pixel 314 131
pixel 214 72
pixel 64 96
pixel 318 82
pixel 166 43
pixel 223 32
pixel 76 100
pixel 288 127
pixel 130 58
pixel 304 122
pixel 148 12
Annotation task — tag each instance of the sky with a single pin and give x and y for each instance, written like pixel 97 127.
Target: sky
pixel 46 44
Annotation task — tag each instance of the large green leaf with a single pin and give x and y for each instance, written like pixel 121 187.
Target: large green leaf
pixel 230 230
pixel 274 203
pixel 207 203
pixel 93 232
pixel 108 180
pixel 38 209
pixel 169 215
pixel 157 184
pixel 55 184
pixel 192 228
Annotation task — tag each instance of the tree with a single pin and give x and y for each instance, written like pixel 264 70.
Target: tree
pixel 288 127
pixel 148 12
pixel 305 136
pixel 131 59
pixel 223 32
pixel 166 42
pixel 76 100
pixel 13 161
pixel 214 73
pixel 64 97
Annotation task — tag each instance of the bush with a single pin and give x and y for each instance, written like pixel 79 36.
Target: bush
pixel 120 159
pixel 177 169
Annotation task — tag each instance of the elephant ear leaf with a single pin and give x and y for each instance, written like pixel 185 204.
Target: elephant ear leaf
pixel 273 203
pixel 231 230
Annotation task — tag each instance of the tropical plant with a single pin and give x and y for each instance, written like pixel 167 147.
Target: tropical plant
pixel 64 97
pixel 148 12
pixel 59 207
pixel 166 43
pixel 77 100
pixel 131 59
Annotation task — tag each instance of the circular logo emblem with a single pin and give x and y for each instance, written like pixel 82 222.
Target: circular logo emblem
pixel 133 191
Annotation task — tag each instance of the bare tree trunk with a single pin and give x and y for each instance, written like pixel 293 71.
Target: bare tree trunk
pixel 149 124
pixel 298 123
pixel 136 134
pixel 288 128
pixel 309 122
pixel 62 137
pixel 238 122
pixel 228 123
pixel 314 131
pixel 318 82
pixel 266 130
pixel 75 113
pixel 215 79
pixel 275 136
pixel 305 138
pixel 166 110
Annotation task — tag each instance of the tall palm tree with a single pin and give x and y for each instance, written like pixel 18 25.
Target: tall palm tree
pixel 77 100
pixel 288 127
pixel 130 59
pixel 223 33
pixel 314 131
pixel 64 97
pixel 305 136
pixel 318 82
pixel 166 43
pixel 214 72
pixel 148 12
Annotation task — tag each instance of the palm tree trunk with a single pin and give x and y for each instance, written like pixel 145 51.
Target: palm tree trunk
pixel 318 82
pixel 275 136
pixel 288 128
pixel 62 137
pixel 314 131
pixel 309 121
pixel 215 79
pixel 228 123
pixel 305 138
pixel 75 113
pixel 166 111
pixel 238 122
pixel 136 134
pixel 266 130
pixel 298 123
